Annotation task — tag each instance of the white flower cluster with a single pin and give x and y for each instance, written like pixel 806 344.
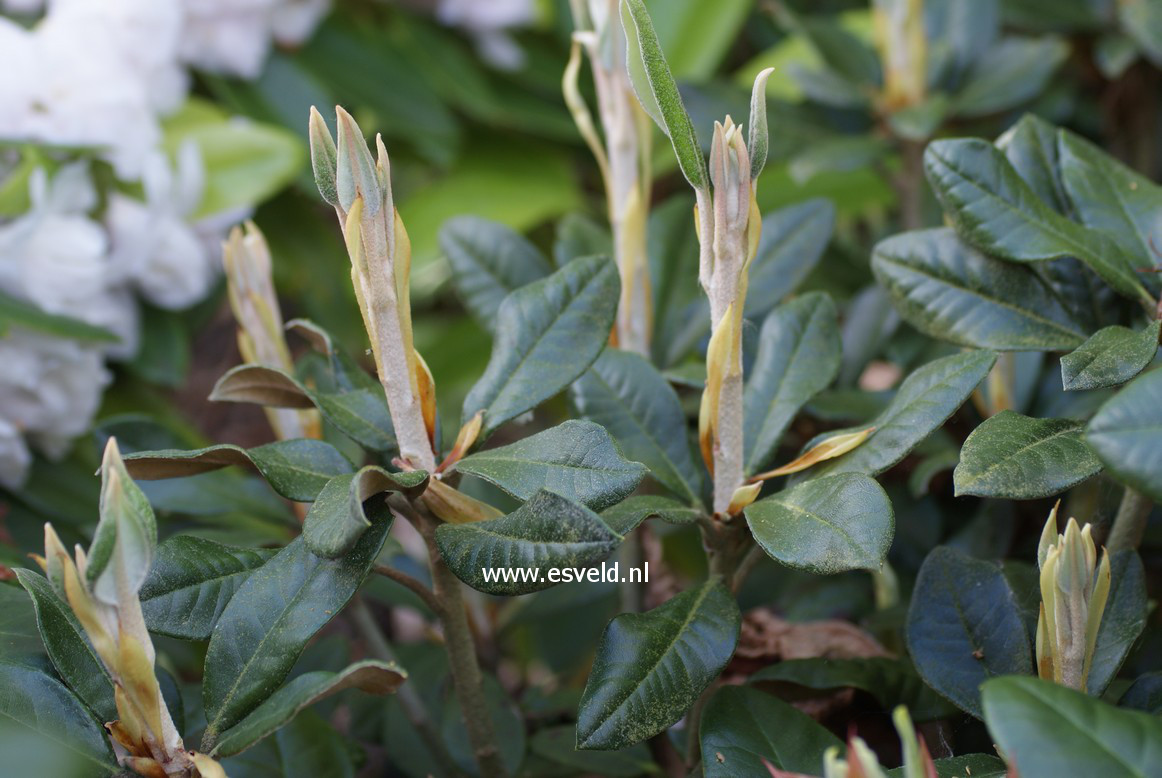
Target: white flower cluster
pixel 99 74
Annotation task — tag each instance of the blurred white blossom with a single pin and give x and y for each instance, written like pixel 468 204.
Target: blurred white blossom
pixel 488 23
pixel 15 458
pixel 234 36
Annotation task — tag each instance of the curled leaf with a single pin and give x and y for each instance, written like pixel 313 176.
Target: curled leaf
pixel 829 448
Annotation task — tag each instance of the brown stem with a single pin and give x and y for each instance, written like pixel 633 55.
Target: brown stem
pixel 666 756
pixel 1130 522
pixel 909 184
pixel 409 699
pixel 408 582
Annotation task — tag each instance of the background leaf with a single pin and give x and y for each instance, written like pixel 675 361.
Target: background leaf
pixel 1125 434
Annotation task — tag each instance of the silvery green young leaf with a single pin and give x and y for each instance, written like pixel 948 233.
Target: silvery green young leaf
pixel 296 469
pixel 757 133
pixel 46 729
pixel 270 620
pixel 948 290
pixel 548 332
pixel 340 515
pixel 190 583
pixel 625 394
pixel 1021 458
pixel 303 691
pixel 324 160
pixel 1049 730
pixel 924 401
pixel 1111 356
pixel 657 91
pixel 489 260
pixel 826 525
pixel 996 211
pixel 126 535
pixel 69 649
pixel 798 356
pixel 742 728
pixel 549 531
pixel 577 460
pixel 651 667
pixel 1126 434
pixel 964 626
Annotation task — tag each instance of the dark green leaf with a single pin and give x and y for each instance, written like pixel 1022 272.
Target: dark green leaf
pixel 625 394
pixel 1145 693
pixel 826 525
pixel 996 211
pixel 305 690
pixel 657 91
pixel 45 731
pixel 271 618
pixel 1020 458
pixel 547 334
pixel 1110 357
pixel 967 766
pixel 651 667
pixel 964 627
pixel 579 235
pixel 558 745
pixel 489 260
pixel 19 634
pixel 845 55
pixel 69 649
pixel 1012 72
pixel 190 583
pixel 296 469
pixel 1142 21
pixel 1122 622
pixel 548 532
pixel 950 291
pixel 1030 145
pixel 790 246
pixel 338 517
pixel 891 681
pixel 923 402
pixel 18 313
pixel 625 517
pixel 577 460
pixel 1049 731
pixel 742 728
pixel 1126 434
pixel 798 356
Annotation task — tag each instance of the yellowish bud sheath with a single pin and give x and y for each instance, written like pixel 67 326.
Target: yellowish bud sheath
pixel 455 507
pixel 828 448
pixel 743 496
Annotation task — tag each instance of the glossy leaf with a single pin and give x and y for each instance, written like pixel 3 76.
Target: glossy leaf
pixel 1030 145
pixel 826 525
pixel 1048 730
pixel 1122 622
pixel 577 460
pixel 628 514
pixel 798 356
pixel 651 667
pixel 46 731
pixel 191 582
pixel 271 618
pixel 964 627
pixel 69 649
pixel 743 728
pixel 1021 458
pixel 625 394
pixel 1126 434
pixel 339 516
pixel 1110 357
pixel 547 532
pixel 489 260
pixel 296 469
pixel 305 690
pixel 948 290
pixel 923 402
pixel 547 334
pixel 996 211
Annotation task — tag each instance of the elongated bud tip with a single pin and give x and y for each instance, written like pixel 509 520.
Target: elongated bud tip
pixel 1048 536
pixel 742 497
pixel 355 174
pixel 323 159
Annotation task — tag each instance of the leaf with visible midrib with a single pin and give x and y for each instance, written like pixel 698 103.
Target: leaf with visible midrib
pixel 191 582
pixel 576 459
pixel 1021 458
pixel 798 356
pixel 1048 730
pixel 1110 357
pixel 547 334
pixel 742 728
pixel 269 621
pixel 32 700
pixel 949 290
pixel 339 515
pixel 628 396
pixel 651 667
pixel 826 525
pixel 996 211
pixel 1126 434
pixel 69 649
pixel 547 532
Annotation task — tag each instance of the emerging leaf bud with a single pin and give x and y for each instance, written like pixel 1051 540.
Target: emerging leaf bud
pixel 1074 590
pixel 323 157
